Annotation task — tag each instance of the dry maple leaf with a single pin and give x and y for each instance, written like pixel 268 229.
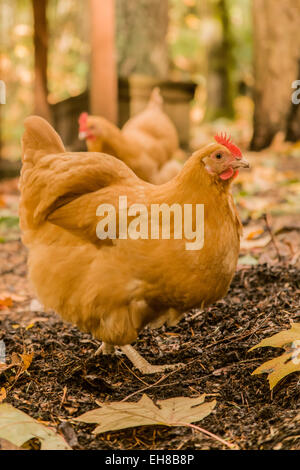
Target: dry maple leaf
pixel 22 361
pixel 288 362
pixel 179 411
pixel 17 428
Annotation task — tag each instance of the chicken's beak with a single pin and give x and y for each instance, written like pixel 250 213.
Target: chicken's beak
pixel 82 135
pixel 240 163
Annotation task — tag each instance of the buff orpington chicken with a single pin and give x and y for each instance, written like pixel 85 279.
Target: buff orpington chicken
pixel 147 143
pixel 114 286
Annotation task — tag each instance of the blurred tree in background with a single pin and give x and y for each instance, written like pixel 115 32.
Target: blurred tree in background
pixel 40 39
pixel 210 42
pixel 68 60
pixel 277 56
pixel 142 27
pixel 16 69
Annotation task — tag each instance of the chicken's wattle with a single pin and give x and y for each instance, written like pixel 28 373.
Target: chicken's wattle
pixel 227 174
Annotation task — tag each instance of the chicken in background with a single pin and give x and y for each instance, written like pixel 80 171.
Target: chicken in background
pixel 147 143
pixel 113 288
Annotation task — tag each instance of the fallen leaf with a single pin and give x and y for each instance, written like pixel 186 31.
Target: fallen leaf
pixel 2 394
pixel 179 411
pixel 26 359
pixel 17 428
pixel 288 362
pixel 247 260
pixel 6 445
pixel 254 234
pixel 22 361
pixel 12 296
pixel 5 303
pixel 247 244
pixel 15 361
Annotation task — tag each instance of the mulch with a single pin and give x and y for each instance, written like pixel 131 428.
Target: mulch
pixel 65 380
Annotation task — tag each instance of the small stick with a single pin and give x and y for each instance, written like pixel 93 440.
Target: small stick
pixel 210 434
pixel 63 397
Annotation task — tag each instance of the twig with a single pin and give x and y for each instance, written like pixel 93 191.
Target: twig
pixel 159 380
pixel 136 376
pixel 239 337
pixel 210 434
pixel 63 397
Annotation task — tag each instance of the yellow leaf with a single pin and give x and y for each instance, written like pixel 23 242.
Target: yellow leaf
pixel 5 302
pixel 288 362
pixel 280 339
pixel 254 234
pixel 2 394
pixel 26 359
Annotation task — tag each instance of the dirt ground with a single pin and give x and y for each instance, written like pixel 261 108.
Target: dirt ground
pixel 64 379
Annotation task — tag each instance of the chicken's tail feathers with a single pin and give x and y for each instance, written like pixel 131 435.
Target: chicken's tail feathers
pixel 155 98
pixel 39 139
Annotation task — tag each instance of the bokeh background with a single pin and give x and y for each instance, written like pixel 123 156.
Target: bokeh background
pixel 203 49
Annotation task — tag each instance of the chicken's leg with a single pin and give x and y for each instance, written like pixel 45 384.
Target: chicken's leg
pixel 105 349
pixel 142 365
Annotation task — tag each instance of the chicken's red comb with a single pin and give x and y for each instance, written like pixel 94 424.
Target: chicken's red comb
pixel 83 121
pixel 226 141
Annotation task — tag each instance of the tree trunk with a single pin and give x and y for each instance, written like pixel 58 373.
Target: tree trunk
pixel 142 27
pixel 276 55
pixel 41 105
pixel 220 66
pixel 104 83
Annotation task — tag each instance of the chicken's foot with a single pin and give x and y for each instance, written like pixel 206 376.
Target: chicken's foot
pixel 144 366
pixel 105 349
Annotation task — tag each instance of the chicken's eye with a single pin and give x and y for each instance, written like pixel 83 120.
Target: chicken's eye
pixel 218 156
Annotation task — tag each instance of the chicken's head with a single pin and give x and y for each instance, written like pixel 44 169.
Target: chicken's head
pixel 225 159
pixel 86 127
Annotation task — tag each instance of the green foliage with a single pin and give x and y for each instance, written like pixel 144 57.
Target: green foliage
pixel 195 37
pixel 196 28
pixel 16 70
pixel 67 67
pixel 69 48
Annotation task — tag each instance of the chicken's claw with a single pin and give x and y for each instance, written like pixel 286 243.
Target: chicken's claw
pixel 144 366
